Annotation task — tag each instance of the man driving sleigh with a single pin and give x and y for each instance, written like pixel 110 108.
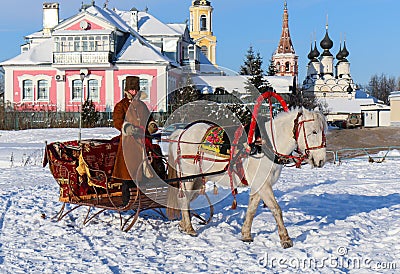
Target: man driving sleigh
pixel 136 124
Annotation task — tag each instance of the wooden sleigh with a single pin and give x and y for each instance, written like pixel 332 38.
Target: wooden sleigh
pixel 83 172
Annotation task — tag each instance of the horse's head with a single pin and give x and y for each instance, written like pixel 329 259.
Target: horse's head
pixel 310 132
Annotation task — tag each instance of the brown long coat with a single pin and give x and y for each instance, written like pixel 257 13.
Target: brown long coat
pixel 130 149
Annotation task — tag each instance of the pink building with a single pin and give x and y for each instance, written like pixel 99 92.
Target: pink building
pixel 89 55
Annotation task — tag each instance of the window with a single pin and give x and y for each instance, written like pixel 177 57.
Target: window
pixel 287 66
pixel 278 65
pixel 76 90
pixel 93 88
pixel 57 44
pixel 43 90
pixel 27 93
pixel 84 43
pixel 77 43
pixel 203 23
pixel 92 45
pixel 106 43
pixel 144 88
pixel 123 88
pixel 70 44
pixel 191 52
pixel 204 50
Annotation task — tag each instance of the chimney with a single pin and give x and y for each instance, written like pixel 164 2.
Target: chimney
pixel 50 17
pixel 134 19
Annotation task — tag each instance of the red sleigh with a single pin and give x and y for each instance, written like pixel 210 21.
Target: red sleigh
pixel 83 172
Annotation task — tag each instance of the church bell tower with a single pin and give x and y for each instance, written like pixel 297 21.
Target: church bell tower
pixel 284 57
pixel 201 28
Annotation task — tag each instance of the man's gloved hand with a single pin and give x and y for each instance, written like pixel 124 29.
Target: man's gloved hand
pixel 129 129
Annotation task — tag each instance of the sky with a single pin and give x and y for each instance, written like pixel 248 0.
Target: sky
pixel 370 28
pixel 342 218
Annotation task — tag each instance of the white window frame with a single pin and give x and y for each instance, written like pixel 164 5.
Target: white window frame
pixel 35 80
pixel 46 90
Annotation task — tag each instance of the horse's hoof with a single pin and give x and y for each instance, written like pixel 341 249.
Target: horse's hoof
pixel 247 240
pixel 287 243
pixel 192 233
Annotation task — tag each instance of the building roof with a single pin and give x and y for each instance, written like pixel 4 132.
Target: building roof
pixel 238 82
pixel 40 54
pixel 344 105
pixel 148 25
pixel 135 51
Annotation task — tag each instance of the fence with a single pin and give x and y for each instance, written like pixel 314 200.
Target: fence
pixel 373 154
pixel 16 120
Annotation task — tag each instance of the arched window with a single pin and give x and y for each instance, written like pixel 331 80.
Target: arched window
pixel 76 90
pixel 203 23
pixel 204 50
pixel 93 89
pixel 278 66
pixel 27 92
pixel 43 90
pixel 287 66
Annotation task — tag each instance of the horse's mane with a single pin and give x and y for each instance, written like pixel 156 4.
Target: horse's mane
pixel 318 116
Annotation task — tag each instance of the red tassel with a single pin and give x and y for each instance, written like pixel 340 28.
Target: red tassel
pixel 215 190
pixel 181 194
pixel 234 203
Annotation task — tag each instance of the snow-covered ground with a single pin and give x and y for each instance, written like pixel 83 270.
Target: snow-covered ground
pixel 342 218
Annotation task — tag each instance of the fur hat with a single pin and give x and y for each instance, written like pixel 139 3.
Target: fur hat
pixel 132 83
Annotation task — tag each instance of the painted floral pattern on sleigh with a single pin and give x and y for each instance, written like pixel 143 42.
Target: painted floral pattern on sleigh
pixel 82 170
pixel 216 141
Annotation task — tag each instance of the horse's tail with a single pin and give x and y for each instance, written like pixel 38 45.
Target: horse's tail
pixel 172 211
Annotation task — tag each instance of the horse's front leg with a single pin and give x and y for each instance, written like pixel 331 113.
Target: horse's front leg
pixel 269 199
pixel 254 200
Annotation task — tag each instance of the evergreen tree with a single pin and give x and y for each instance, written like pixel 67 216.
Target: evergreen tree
pixel 271 68
pixel 89 114
pixel 182 96
pixel 252 67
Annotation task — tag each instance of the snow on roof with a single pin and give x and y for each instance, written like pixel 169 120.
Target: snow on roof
pixel 178 27
pixel 110 16
pixel 40 54
pixel 230 83
pixel 38 34
pixel 394 94
pixel 138 52
pixel 79 32
pixel 344 105
pixel 280 84
pixel 148 25
pixel 238 82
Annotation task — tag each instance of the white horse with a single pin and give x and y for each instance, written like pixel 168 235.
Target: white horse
pixel 298 130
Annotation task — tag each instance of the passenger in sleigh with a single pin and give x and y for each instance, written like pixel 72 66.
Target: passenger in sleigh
pixel 133 119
